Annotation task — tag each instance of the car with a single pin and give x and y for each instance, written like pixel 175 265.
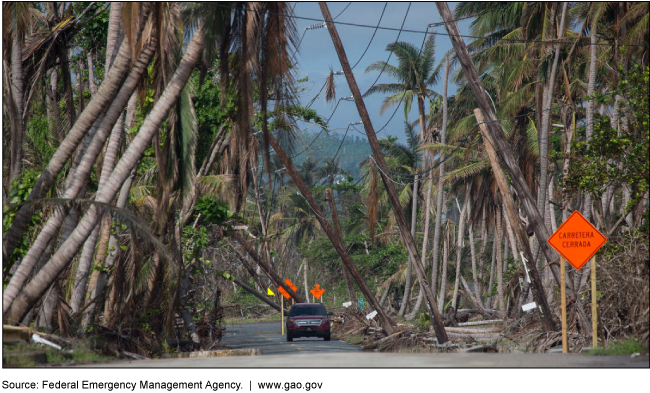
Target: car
pixel 308 320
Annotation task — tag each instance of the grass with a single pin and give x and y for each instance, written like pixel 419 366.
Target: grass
pixel 271 317
pixel 19 355
pixel 627 347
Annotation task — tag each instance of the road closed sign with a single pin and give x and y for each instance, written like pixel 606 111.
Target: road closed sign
pixel 577 240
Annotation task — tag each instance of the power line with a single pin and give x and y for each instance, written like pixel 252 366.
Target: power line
pixel 346 7
pixel 312 27
pixel 390 53
pixel 321 131
pixel 514 40
pixel 341 144
pixel 373 36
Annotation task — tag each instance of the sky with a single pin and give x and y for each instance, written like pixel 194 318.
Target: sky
pixel 316 55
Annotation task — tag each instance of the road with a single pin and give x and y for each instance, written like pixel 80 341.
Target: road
pixel 339 354
pixel 267 338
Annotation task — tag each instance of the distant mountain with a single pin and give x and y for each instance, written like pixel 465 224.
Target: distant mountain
pixel 355 149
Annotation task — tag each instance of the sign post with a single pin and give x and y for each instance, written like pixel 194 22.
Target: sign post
pixel 578 240
pixel 285 294
pixel 594 306
pixel 565 344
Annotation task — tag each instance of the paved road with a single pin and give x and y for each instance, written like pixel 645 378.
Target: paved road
pixel 338 354
pixel 267 338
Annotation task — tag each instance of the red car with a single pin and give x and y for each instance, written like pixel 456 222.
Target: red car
pixel 308 320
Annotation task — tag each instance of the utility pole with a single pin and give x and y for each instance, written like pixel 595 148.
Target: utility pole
pixel 436 322
pixel 505 152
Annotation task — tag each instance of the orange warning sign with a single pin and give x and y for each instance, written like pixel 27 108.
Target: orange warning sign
pixel 284 293
pixel 290 284
pixel 317 291
pixel 577 240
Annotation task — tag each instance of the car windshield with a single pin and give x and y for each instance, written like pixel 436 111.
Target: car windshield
pixel 307 310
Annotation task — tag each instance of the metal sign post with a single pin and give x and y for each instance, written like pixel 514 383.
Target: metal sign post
pixel 565 344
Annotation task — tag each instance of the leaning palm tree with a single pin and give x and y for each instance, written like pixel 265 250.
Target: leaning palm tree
pixel 415 73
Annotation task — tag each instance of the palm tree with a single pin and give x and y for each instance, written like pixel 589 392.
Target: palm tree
pixel 37 286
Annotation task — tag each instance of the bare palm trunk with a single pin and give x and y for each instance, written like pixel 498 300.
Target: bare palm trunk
pixel 472 248
pixel 544 140
pixel 500 295
pixel 32 291
pixel 91 74
pixel 443 274
pixel 490 302
pixel 17 90
pixel 425 243
pixel 440 191
pixel 54 105
pixel 102 277
pixel 459 248
pixel 409 264
pixel 114 21
pixel 85 262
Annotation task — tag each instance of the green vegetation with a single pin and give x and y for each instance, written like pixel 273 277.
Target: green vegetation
pixel 626 347
pixel 27 355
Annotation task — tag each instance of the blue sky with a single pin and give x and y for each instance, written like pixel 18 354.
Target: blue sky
pixel 317 54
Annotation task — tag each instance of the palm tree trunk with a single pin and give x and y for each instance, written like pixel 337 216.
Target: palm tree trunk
pixel 544 140
pixel 17 90
pixel 102 277
pixel 472 248
pixel 107 240
pixel 106 93
pixel 32 291
pixel 425 243
pixel 409 264
pixel 114 21
pixel 91 74
pixel 440 195
pixel 443 273
pixel 589 130
pixel 500 295
pixel 54 105
pixel 492 270
pixel 84 268
pixel 459 248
